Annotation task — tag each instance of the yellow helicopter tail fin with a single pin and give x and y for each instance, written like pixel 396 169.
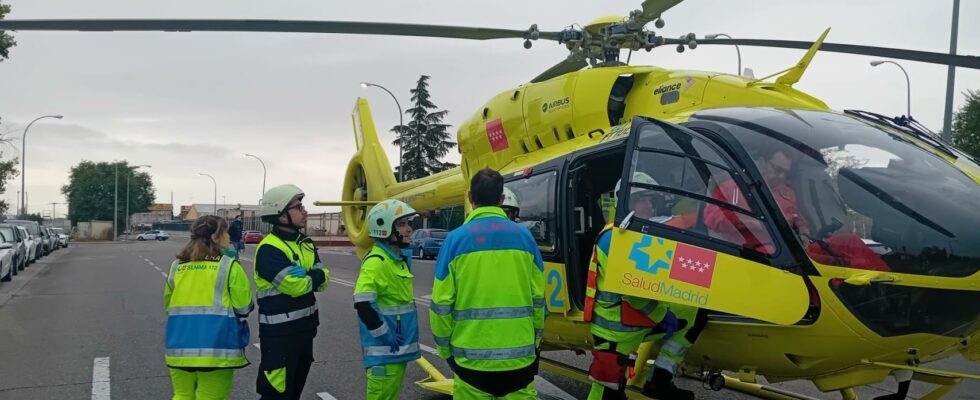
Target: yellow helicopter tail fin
pixel 794 74
pixel 368 145
pixel 368 176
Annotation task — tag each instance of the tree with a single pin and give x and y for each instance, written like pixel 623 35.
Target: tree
pixel 6 41
pixel 32 217
pixel 425 139
pixel 8 169
pixel 966 125
pixel 91 189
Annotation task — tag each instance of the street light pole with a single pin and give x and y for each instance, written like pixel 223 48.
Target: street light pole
pixel 263 172
pixel 401 123
pixel 737 51
pixel 128 174
pixel 215 191
pixel 908 84
pixel 115 203
pixel 23 162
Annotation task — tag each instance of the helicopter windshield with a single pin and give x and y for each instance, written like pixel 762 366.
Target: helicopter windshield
pixel 861 195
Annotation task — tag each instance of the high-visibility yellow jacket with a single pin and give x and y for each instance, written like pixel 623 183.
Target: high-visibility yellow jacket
pixel 204 301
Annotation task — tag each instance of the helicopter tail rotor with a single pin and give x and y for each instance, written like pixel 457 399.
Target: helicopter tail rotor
pixel 369 173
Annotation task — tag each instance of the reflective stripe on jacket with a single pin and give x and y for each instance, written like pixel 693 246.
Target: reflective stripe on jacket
pixel 204 301
pixel 487 306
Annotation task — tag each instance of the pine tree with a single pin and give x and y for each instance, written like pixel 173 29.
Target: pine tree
pixel 425 139
pixel 966 125
pixel 6 41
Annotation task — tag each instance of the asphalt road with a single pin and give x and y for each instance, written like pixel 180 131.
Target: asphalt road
pixel 88 321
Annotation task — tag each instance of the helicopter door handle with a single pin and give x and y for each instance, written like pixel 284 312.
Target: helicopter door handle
pixel 597 130
pixel 867 278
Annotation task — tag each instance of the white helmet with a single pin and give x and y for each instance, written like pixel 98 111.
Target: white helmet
pixel 381 219
pixel 275 200
pixel 607 201
pixel 510 199
pixel 638 177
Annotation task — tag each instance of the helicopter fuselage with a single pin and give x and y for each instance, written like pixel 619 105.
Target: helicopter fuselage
pixel 551 126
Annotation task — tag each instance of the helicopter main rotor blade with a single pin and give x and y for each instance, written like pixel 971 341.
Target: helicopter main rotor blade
pixel 572 63
pixel 886 52
pixel 257 25
pixel 652 9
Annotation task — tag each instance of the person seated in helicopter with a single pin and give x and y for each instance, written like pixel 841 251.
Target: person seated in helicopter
pixel 829 245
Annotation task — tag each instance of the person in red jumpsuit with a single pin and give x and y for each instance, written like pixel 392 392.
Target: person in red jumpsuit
pixel 840 248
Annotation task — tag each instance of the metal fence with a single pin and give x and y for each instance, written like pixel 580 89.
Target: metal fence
pixel 325 224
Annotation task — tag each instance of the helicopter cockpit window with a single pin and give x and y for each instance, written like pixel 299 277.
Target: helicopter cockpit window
pixel 682 182
pixel 535 196
pixel 862 195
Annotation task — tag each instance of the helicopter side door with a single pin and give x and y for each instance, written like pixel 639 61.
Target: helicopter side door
pixel 689 230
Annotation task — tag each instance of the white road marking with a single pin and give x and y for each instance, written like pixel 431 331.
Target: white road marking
pixel 257 345
pixel 548 390
pixel 342 282
pixel 100 379
pixel 164 274
pixel 424 300
pixel 157 268
pixel 325 396
pixel 427 349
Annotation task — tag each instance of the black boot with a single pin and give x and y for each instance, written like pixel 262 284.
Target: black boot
pixel 662 387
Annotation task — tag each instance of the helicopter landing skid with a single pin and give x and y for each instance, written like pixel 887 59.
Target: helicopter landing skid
pixel 944 385
pixel 436 381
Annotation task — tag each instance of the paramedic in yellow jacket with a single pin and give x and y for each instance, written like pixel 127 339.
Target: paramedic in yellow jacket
pixel 385 301
pixel 621 323
pixel 207 297
pixel 287 273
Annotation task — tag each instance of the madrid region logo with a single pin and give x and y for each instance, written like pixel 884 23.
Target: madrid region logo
pixel 686 263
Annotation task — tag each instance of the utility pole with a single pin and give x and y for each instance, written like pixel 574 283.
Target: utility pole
pixel 951 74
pixel 52 210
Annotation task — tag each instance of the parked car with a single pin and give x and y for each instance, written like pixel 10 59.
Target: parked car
pixel 25 238
pixel 153 235
pixel 20 248
pixel 252 237
pixel 35 247
pixel 62 236
pixel 426 242
pixel 7 252
pixel 48 239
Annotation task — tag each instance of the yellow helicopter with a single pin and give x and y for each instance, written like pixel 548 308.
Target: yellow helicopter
pixel 876 272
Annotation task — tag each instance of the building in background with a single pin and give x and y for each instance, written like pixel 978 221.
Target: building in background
pixel 195 211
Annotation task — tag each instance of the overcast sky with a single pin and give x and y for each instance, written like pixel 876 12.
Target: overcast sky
pixel 193 102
